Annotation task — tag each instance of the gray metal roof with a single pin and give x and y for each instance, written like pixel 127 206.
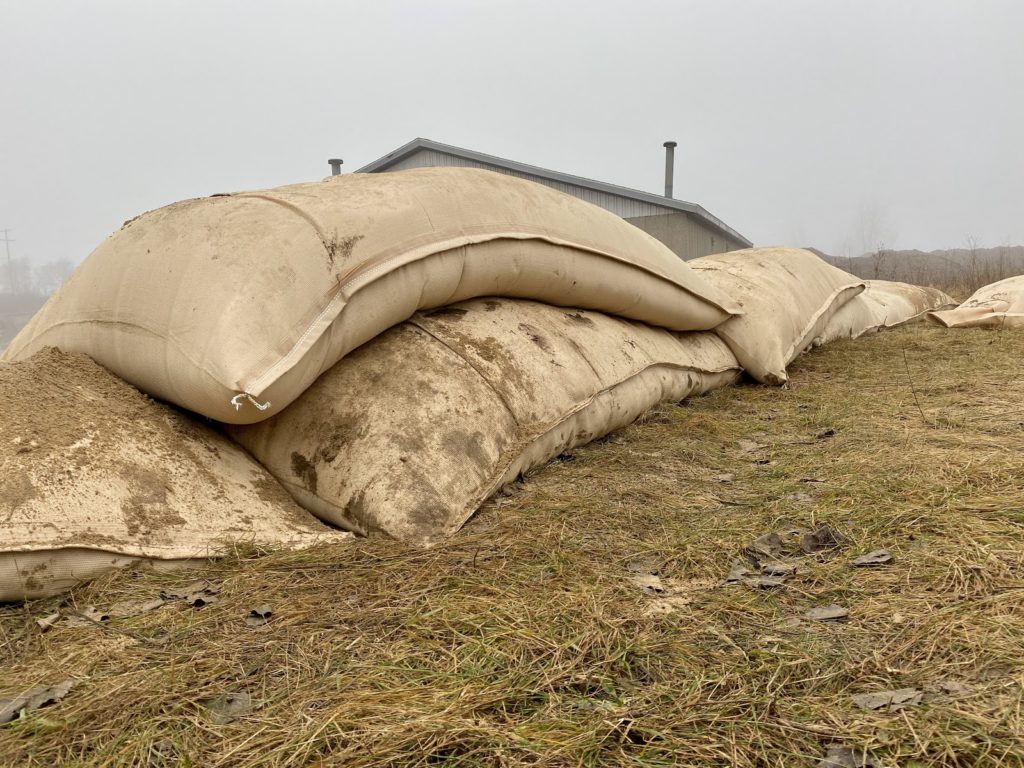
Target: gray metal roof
pixel 668 203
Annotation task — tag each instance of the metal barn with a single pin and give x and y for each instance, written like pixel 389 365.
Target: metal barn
pixel 686 228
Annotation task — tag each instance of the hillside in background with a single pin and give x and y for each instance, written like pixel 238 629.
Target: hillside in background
pixel 957 270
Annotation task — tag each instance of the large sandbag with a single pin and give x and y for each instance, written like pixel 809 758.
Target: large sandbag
pixel 787 296
pixel 412 432
pixel 95 475
pixel 999 305
pixel 883 304
pixel 232 305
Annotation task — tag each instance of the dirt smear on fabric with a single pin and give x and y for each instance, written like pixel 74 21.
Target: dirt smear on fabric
pixel 87 460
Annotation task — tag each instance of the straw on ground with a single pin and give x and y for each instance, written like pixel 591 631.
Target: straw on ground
pixel 585 619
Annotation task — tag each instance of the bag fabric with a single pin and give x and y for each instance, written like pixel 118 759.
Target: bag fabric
pixel 232 305
pixel 412 432
pixel 883 304
pixel 998 305
pixel 95 475
pixel 787 296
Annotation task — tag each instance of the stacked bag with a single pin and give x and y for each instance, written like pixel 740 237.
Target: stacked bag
pixel 882 305
pixel 392 348
pixel 412 432
pixel 999 305
pixel 231 306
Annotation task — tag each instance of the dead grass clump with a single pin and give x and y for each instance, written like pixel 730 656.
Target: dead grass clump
pixel 585 619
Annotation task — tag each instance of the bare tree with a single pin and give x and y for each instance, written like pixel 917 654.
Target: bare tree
pixel 874 231
pixel 878 255
pixel 51 275
pixel 972 259
pixel 17 277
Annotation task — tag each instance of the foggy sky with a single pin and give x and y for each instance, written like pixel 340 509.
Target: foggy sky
pixel 802 122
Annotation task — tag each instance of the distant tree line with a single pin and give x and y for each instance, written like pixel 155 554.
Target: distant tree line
pixel 20 276
pixel 958 271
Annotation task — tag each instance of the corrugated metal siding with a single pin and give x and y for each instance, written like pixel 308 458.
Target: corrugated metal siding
pixel 621 206
pixel 686 235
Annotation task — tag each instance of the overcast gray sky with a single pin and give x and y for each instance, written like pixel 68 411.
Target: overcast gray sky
pixel 797 120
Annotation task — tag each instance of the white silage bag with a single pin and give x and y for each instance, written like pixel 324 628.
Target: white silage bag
pixel 999 305
pixel 412 432
pixel 787 296
pixel 232 305
pixel 883 304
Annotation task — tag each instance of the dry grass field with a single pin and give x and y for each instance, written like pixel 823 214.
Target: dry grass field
pixel 586 619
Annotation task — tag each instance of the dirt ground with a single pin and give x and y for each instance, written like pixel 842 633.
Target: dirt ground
pixel 626 605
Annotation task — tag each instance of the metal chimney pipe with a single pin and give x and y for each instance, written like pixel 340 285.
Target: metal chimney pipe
pixel 670 162
pixel 335 163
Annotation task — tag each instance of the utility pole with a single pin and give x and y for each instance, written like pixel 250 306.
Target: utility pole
pixel 10 266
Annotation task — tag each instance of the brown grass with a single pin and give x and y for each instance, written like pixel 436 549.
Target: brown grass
pixel 526 641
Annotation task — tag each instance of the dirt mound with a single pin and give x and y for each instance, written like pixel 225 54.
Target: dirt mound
pixel 88 464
